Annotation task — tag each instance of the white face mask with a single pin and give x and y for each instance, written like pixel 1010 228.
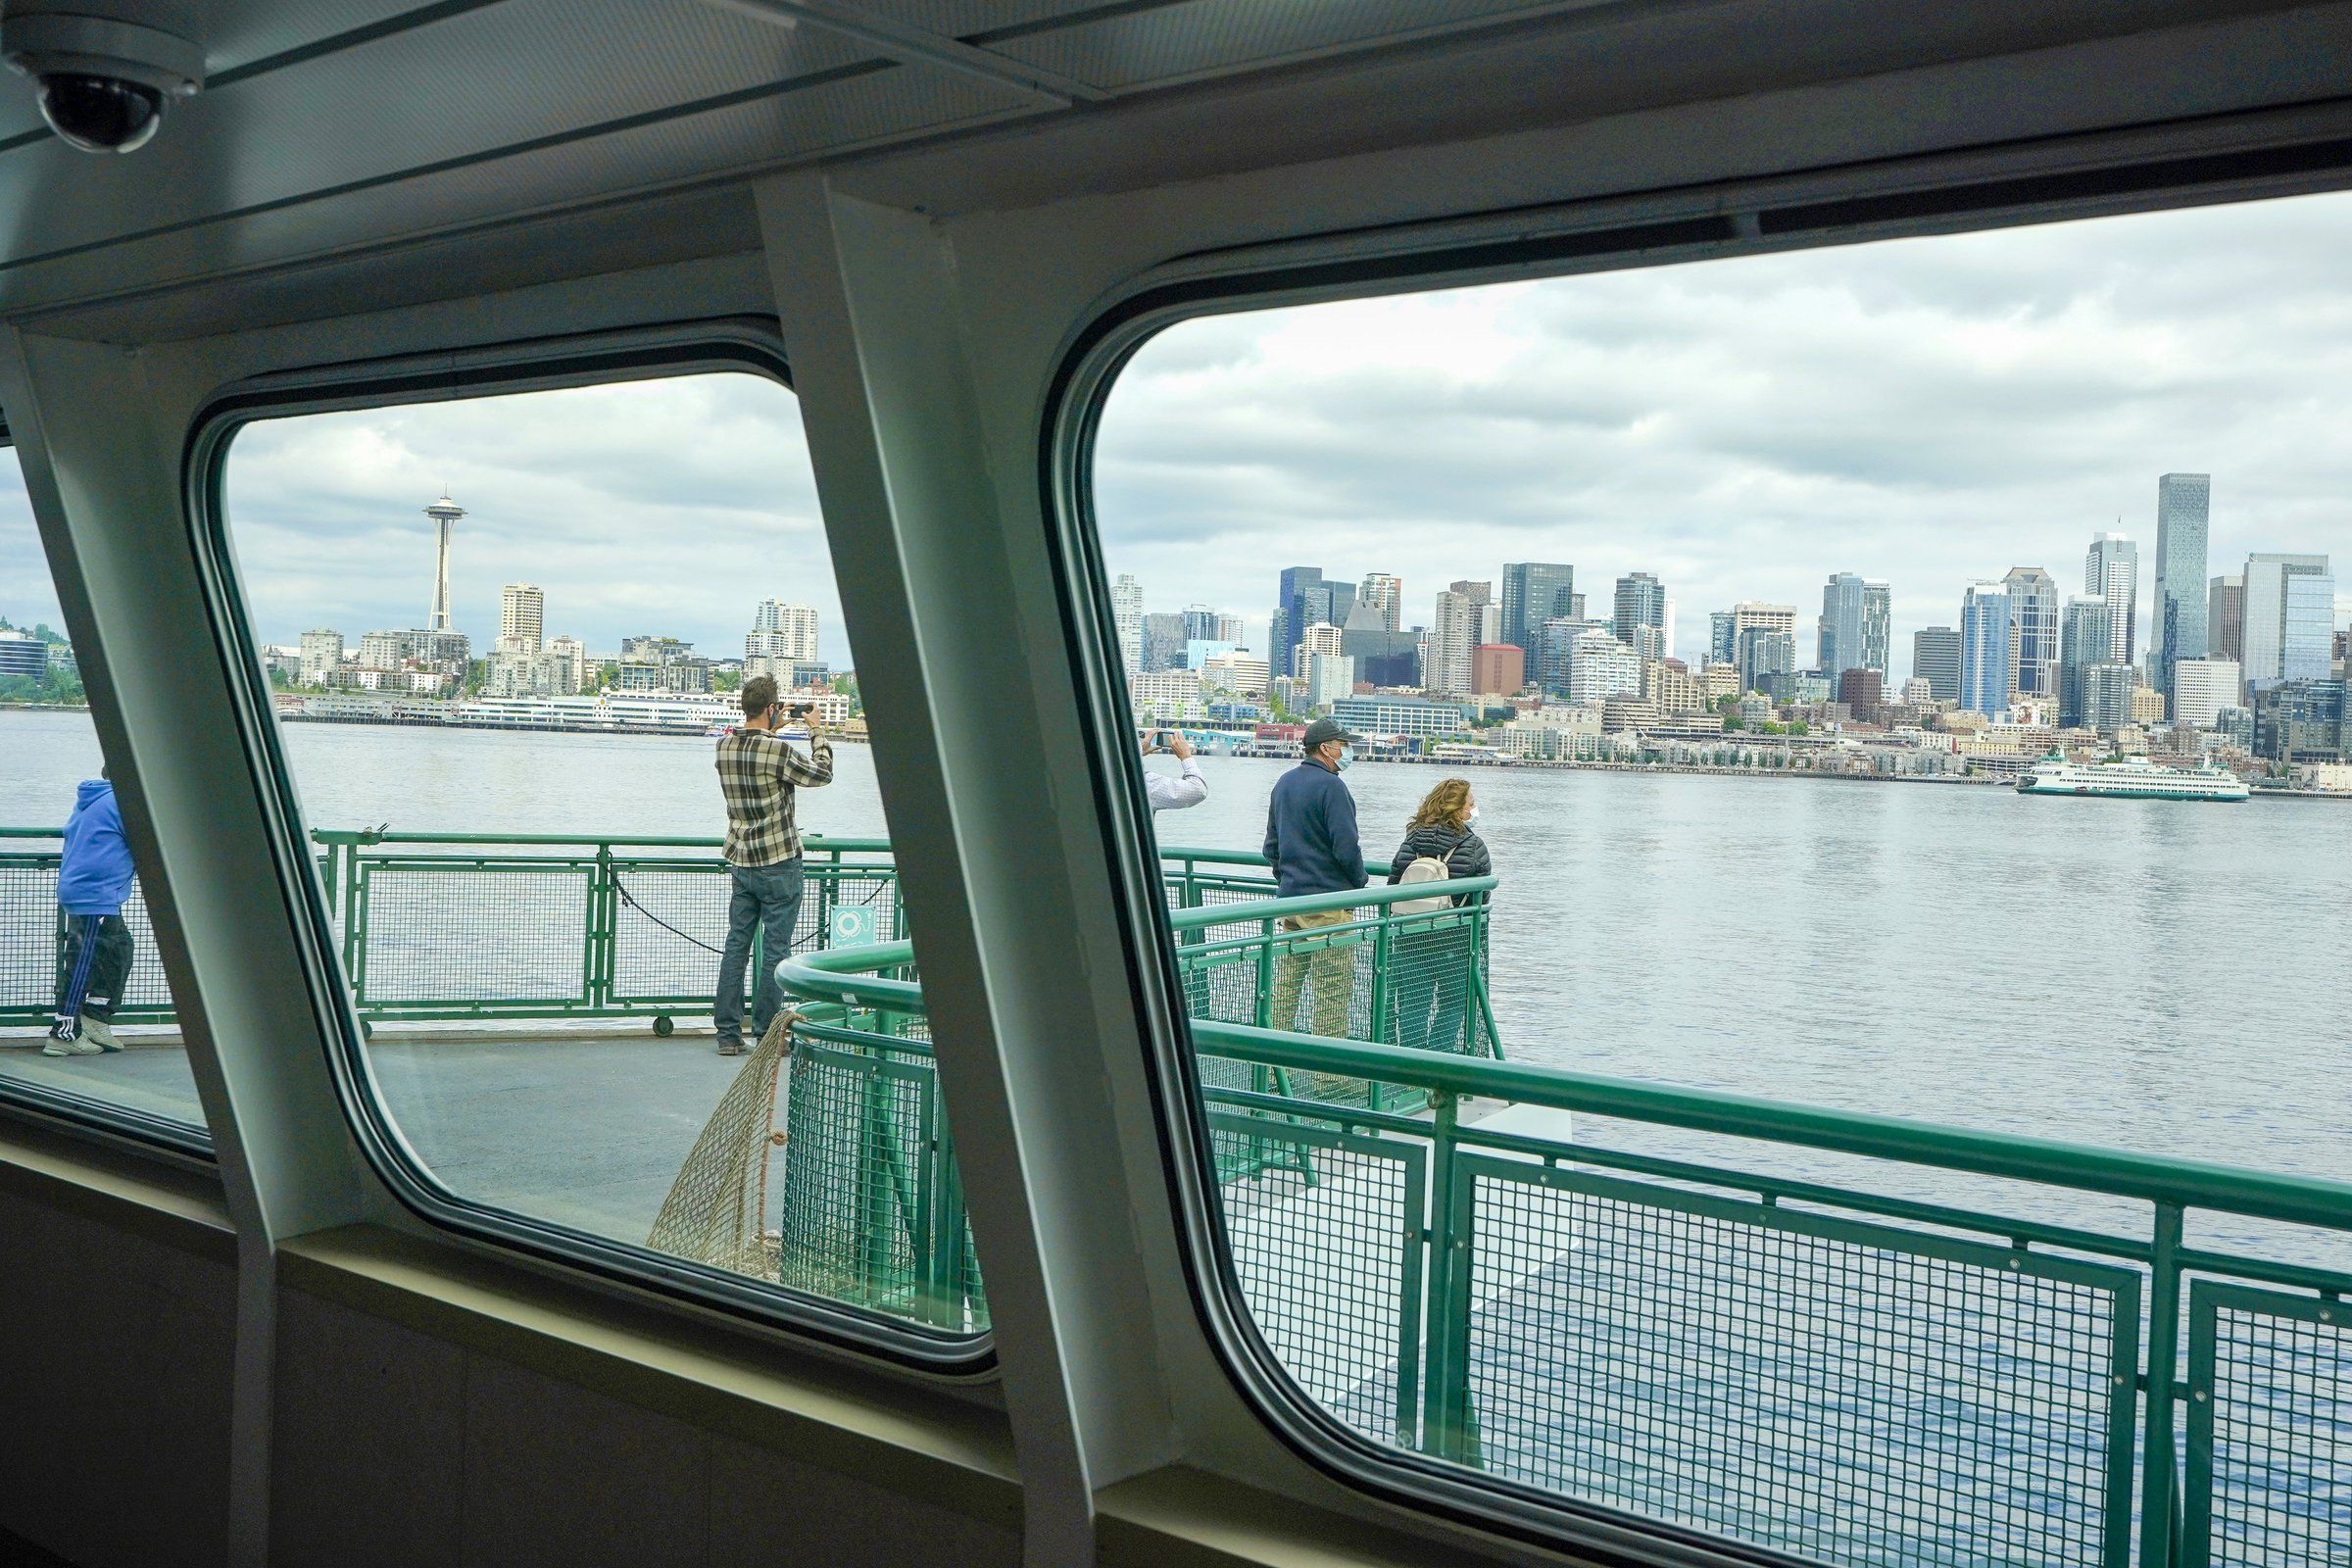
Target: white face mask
pixel 1473 816
pixel 1347 757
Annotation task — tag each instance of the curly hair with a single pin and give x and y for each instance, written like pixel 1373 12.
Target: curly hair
pixel 1449 805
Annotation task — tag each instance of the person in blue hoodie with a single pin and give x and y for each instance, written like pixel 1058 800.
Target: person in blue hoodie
pixel 93 945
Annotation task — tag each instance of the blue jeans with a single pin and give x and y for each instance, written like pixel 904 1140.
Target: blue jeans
pixel 767 899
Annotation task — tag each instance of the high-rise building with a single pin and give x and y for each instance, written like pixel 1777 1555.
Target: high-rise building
pixel 1936 659
pixel 521 617
pixel 2107 696
pixel 1554 641
pixel 1641 606
pixel 1127 612
pixel 1386 595
pixel 1862 690
pixel 1329 677
pixel 1206 625
pixel 1765 652
pixel 2226 617
pixel 1163 642
pixel 2082 631
pixel 1320 639
pixel 2289 615
pixel 1452 633
pixel 1751 614
pixel 1722 637
pixel 2183 502
pixel 1535 592
pixel 1854 625
pixel 2033 631
pixel 1281 635
pixel 444 513
pixel 2111 571
pixel 322 655
pixel 782 635
pixel 1987 648
pixel 1498 667
pixel 1599 667
pixel 2201 689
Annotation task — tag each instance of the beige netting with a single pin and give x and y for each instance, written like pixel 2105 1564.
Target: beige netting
pixel 716 1211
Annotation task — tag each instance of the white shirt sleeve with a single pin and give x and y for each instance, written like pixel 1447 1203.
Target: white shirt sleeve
pixel 1168 794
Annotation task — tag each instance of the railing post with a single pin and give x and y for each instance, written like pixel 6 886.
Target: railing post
pixel 2159 1453
pixel 1444 1418
pixel 604 928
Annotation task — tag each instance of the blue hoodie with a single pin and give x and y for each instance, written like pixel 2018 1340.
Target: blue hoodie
pixel 94 878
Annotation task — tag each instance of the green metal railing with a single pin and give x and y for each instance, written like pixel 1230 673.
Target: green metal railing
pixel 452 926
pixel 1846 1374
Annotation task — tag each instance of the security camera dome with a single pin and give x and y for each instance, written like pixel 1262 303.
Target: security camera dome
pixel 102 79
pixel 101 113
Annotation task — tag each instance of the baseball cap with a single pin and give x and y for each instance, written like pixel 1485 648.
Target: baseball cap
pixel 1327 729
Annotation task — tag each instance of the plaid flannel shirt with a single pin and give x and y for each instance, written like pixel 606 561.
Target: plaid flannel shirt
pixel 758 772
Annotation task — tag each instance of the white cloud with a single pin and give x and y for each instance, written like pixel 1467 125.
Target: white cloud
pixel 1926 411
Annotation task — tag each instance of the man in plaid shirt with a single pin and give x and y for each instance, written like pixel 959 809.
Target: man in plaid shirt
pixel 758 773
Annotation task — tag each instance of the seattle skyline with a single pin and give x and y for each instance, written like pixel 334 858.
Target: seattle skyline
pixel 1922 412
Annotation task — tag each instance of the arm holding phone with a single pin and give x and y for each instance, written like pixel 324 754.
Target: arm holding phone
pixel 1188 787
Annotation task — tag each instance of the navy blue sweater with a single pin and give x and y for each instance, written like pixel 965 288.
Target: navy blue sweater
pixel 1310 833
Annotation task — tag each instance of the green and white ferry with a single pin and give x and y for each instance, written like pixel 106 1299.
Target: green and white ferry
pixel 2129 777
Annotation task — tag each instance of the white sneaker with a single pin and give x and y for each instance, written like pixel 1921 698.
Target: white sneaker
pixel 100 1031
pixel 65 1040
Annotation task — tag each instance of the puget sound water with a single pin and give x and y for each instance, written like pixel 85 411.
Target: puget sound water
pixel 2155 975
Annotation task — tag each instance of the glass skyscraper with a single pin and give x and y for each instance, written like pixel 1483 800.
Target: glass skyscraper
pixel 2183 502
pixel 2033 630
pixel 1986 627
pixel 1855 616
pixel 1936 659
pixel 2083 632
pixel 2111 571
pixel 2290 620
pixel 1535 592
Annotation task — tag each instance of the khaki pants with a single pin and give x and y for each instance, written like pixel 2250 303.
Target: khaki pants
pixel 1328 974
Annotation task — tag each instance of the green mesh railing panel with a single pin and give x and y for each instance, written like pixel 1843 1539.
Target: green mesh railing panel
pixel 2269 1477
pixel 870 1212
pixel 1849 1392
pixel 652 962
pixel 29 932
pixel 1413 980
pixel 456 934
pixel 1326 1238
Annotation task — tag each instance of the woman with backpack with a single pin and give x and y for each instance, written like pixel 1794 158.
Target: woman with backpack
pixel 1430 954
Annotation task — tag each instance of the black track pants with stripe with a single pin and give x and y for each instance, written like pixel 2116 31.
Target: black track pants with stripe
pixel 93 964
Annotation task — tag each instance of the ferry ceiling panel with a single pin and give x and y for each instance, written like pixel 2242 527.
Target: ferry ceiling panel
pixel 328 129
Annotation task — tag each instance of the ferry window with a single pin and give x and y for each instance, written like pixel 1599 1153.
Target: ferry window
pixel 1896 680
pixel 562 683
pixel 86 1021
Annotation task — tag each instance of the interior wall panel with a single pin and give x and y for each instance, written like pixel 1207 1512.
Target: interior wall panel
pixel 115 1367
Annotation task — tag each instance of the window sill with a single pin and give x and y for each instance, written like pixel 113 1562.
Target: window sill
pixel 152 1199
pixel 1180 1517
pixel 940 1449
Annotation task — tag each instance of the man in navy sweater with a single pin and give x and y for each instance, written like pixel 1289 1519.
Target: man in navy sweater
pixel 1312 845
pixel 93 945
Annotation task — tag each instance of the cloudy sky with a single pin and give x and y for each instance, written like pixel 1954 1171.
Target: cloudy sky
pixel 1930 411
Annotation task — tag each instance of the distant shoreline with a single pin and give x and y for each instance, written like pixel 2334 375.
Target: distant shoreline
pixel 13 705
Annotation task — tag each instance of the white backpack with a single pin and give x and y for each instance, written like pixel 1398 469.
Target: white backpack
pixel 1424 868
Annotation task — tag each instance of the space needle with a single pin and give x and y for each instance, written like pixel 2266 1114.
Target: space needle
pixel 444 513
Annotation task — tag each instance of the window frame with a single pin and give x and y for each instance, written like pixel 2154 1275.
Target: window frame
pixel 188 1144
pixel 2027 184
pixel 723 345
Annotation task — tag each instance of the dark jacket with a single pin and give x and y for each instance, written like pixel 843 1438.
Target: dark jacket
pixel 1311 840
pixel 1463 852
pixel 94 875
